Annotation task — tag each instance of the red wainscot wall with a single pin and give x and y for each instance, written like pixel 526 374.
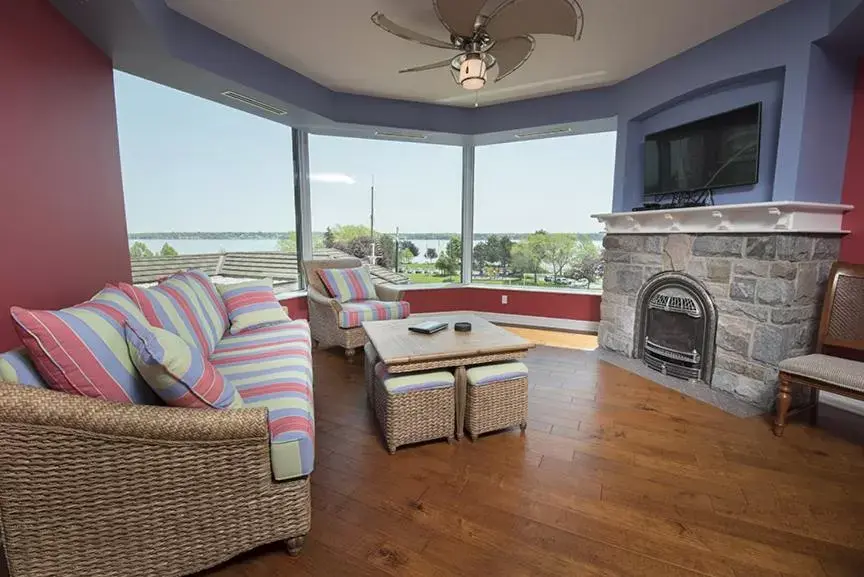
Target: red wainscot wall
pixel 570 306
pixel 852 249
pixel 63 228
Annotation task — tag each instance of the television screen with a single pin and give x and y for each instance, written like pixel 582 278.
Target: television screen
pixel 715 152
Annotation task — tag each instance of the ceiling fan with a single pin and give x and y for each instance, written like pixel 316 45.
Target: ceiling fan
pixel 503 38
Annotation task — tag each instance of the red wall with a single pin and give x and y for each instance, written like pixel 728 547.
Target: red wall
pixel 63 231
pixel 852 249
pixel 580 307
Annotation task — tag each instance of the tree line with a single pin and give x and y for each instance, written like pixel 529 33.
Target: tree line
pixel 141 250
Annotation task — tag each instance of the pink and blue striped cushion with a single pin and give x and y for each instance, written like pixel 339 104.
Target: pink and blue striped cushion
pixel 211 302
pixel 353 314
pixel 82 349
pixel 17 369
pixel 252 305
pixel 177 372
pixel 173 305
pixel 272 368
pixel 348 284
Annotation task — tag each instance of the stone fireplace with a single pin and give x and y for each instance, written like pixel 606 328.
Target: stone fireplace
pixel 722 309
pixel 676 324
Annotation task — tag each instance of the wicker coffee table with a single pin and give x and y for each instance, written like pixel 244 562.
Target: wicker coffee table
pixel 403 351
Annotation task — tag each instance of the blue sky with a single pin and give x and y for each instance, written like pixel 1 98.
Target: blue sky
pixel 194 165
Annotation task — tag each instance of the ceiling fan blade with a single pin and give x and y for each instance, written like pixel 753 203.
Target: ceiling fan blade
pixel 458 16
pixel 434 65
pixel 386 24
pixel 511 53
pixel 520 17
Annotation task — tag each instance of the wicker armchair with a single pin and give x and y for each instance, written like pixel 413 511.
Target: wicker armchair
pixel 841 327
pixel 324 311
pixel 90 488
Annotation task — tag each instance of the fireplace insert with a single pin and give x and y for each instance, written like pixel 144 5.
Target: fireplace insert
pixel 676 323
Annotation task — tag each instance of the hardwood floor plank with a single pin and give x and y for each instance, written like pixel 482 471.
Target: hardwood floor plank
pixel 616 476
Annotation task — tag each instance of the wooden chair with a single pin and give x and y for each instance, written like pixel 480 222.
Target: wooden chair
pixel 841 326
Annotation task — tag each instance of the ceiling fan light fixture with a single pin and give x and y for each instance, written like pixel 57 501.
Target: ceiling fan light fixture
pixel 472 72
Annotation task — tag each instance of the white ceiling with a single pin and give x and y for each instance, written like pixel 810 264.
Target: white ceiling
pixel 334 43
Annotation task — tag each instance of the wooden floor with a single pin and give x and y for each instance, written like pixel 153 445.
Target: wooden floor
pixel 615 476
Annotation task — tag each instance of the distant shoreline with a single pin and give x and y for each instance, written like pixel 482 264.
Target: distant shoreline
pixel 283 235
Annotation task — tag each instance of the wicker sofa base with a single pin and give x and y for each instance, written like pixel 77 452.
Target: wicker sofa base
pixel 95 504
pixel 496 406
pixel 413 417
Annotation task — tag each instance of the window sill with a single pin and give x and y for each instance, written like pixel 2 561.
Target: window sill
pixel 289 295
pixel 527 289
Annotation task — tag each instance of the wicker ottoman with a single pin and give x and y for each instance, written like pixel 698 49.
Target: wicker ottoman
pixel 370 356
pixel 497 398
pixel 414 407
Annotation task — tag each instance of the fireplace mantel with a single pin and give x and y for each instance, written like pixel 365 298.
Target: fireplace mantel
pixel 756 218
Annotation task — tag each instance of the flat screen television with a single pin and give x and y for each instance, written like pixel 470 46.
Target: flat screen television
pixel 715 152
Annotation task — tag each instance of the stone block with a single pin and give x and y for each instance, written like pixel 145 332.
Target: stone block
pixel 784 269
pixel 794 315
pixel 743 310
pixel 775 291
pixel 627 279
pixel 755 392
pixel 651 270
pixel 808 289
pixel 719 270
pixel 626 242
pixel 824 270
pixel 761 247
pixel 801 336
pixel 734 335
pixel 724 380
pixel 794 247
pixel 698 268
pixel 743 289
pixel 654 244
pixel 717 290
pixel 718 245
pixel 739 367
pixel 617 256
pixel 613 298
pixel 649 259
pixel 758 268
pixel 678 252
pixel 769 344
pixel 826 248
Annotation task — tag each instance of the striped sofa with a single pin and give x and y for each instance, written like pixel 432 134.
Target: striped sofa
pixel 96 488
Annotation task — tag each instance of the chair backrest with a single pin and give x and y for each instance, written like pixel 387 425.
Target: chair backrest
pixel 311 268
pixel 842 323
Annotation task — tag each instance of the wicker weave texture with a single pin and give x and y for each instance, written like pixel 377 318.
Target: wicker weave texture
pixel 90 488
pixel 414 417
pixel 848 310
pixel 370 356
pixel 496 406
pixel 455 361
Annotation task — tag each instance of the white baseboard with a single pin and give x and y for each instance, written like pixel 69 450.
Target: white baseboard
pixel 842 403
pixel 528 321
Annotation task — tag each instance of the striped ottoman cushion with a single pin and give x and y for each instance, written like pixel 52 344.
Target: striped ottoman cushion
pixel 82 349
pixel 272 368
pixel 173 305
pixel 410 382
pixel 178 372
pixel 348 284
pixel 486 374
pixel 17 369
pixel 353 314
pixel 252 305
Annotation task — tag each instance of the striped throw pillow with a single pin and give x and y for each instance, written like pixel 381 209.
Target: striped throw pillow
pixel 174 306
pixel 16 369
pixel 179 373
pixel 251 305
pixel 348 284
pixel 211 302
pixel 82 349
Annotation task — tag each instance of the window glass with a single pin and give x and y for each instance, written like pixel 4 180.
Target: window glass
pixel 411 231
pixel 206 186
pixel 532 207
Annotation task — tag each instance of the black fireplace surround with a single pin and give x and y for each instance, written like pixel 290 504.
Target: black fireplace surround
pixel 676 325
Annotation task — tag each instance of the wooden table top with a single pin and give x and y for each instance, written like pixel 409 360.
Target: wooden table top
pixel 395 344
